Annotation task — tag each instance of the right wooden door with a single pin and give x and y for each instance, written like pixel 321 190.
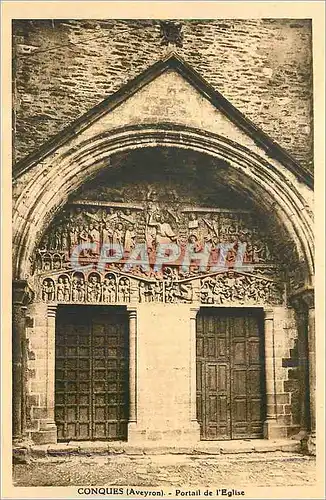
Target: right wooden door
pixel 230 373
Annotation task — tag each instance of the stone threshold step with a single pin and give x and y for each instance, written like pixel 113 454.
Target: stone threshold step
pixel 202 448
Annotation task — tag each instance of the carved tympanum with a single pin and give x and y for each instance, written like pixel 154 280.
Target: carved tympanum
pixel 142 220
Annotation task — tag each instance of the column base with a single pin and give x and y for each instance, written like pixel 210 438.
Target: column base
pixel 21 447
pixel 21 455
pixel 300 436
pixel 21 442
pixel 311 443
pixel 47 434
pixel 272 430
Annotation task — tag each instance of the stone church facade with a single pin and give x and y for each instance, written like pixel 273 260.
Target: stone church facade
pixel 163 262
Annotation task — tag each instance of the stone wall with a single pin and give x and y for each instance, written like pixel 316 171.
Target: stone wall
pixel 37 339
pixel 163 374
pixel 64 68
pixel 165 363
pixel 288 398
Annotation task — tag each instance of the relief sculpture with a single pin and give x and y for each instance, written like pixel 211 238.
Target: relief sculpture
pixel 111 288
pixel 206 241
pixel 150 292
pixel 154 221
pixel 233 287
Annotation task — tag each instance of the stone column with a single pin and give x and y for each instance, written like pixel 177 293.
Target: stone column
pixel 308 298
pixel 132 366
pixel 21 296
pixel 194 425
pixel 270 422
pixel 304 304
pixel 193 388
pixel 48 428
pixel 302 327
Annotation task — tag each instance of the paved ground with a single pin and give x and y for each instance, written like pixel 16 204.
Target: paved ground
pixel 254 469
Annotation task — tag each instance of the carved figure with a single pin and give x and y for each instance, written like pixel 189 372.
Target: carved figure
pixel 150 292
pixel 74 290
pixel 74 237
pixel 60 290
pixel 82 240
pixel 107 234
pixel 130 237
pixel 194 244
pixel 93 289
pixel 66 290
pixel 90 292
pixel 118 236
pixel 213 233
pixel 108 290
pixel 124 290
pixel 57 262
pixel 64 240
pixel 193 223
pixel 112 290
pixel 97 289
pixel 55 239
pixel 248 254
pixel 257 253
pixel 142 292
pixel 48 290
pixel 44 245
pixel 218 292
pixel 94 238
pixel 82 291
pixel 207 291
pixel 46 263
pixel 164 233
pixel 158 291
pixel 105 290
pixel 171 33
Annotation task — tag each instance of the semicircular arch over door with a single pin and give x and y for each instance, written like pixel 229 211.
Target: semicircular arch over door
pixel 275 191
pixel 274 197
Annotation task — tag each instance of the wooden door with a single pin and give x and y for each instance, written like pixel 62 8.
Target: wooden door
pixel 230 374
pixel 91 385
pixel 213 377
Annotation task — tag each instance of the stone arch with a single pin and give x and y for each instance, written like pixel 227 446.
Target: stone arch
pixel 269 184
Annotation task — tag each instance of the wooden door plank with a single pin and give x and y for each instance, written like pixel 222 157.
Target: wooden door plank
pixel 72 380
pixel 91 387
pixel 230 374
pixel 212 377
pixel 247 374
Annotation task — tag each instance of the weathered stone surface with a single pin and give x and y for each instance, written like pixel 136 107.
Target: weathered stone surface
pixel 86 152
pixel 21 456
pixel 74 66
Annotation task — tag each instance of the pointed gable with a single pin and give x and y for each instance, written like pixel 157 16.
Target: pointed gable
pixel 169 92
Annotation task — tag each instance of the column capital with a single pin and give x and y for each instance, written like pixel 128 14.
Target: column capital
pixel 22 294
pixel 268 314
pixel 193 312
pixel 304 297
pixel 132 311
pixel 51 311
pixel 309 298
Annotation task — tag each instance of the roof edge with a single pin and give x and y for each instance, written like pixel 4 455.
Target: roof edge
pixel 173 61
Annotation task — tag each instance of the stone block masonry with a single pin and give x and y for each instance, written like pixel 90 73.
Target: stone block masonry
pixel 63 68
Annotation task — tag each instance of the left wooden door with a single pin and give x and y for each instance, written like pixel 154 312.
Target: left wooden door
pixel 91 374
